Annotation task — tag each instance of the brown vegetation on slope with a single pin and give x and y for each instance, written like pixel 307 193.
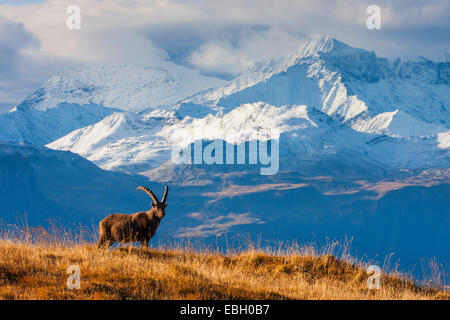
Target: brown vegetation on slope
pixel 39 272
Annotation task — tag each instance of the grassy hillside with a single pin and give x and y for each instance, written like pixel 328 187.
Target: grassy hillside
pixel 39 272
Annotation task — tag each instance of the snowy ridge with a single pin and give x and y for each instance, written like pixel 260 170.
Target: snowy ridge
pixel 125 87
pixel 39 127
pixel 111 144
pixel 398 124
pixel 138 144
pixel 121 140
pixel 313 47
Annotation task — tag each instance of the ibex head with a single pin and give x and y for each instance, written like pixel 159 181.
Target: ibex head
pixel 157 206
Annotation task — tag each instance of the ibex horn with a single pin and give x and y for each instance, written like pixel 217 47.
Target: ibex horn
pixel 151 194
pixel 164 198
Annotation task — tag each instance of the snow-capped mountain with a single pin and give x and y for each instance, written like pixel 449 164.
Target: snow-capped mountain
pixel 326 100
pixel 125 87
pixel 346 83
pixel 83 94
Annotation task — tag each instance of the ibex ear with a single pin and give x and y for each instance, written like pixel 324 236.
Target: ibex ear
pixel 153 205
pixel 165 205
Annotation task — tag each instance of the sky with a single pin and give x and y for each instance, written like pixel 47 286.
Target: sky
pixel 221 38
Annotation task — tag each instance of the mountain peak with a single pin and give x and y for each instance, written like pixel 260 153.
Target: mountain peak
pixel 320 46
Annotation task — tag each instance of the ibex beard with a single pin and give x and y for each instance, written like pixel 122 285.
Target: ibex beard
pixel 136 227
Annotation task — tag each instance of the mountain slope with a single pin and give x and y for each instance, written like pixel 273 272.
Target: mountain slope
pixel 44 185
pixel 299 273
pixel 39 127
pixel 126 87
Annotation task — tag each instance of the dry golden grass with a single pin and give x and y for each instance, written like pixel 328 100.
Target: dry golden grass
pixel 39 272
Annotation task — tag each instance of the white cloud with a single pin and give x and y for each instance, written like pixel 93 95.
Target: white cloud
pixel 253 47
pixel 20 73
pixel 214 57
pixel 119 46
pixel 345 19
pixel 109 30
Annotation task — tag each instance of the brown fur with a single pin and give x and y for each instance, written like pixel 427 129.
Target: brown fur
pixel 140 226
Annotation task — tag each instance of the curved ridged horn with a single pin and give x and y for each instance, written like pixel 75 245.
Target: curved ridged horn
pixel 164 198
pixel 151 194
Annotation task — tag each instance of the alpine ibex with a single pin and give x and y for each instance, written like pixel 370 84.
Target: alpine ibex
pixel 139 226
